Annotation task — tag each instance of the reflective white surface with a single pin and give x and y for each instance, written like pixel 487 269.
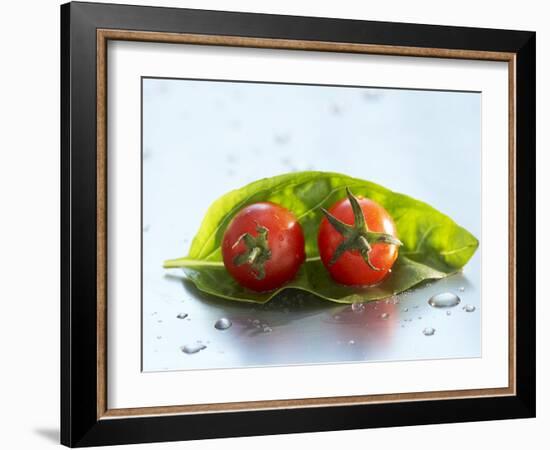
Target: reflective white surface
pixel 202 139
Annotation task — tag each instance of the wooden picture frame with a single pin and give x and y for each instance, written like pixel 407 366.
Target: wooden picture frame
pixel 86 418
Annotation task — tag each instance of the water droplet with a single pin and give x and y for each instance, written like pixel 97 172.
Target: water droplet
pixel 182 315
pixel 448 313
pixel 256 322
pixel 351 342
pixel 444 300
pixel 282 138
pixel 469 308
pixel 429 331
pixel 461 288
pixel 159 337
pixel 384 316
pixel 357 307
pixel 372 96
pixel 235 124
pixel 389 271
pixel 223 324
pixel 192 348
pixel 268 329
pixel 335 109
pixel 405 309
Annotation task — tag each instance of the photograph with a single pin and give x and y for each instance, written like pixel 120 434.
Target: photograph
pixel 300 224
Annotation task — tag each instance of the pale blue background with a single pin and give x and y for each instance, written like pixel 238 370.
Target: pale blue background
pixel 203 138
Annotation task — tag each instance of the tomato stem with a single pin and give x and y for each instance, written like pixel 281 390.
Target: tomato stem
pixel 257 251
pixel 357 237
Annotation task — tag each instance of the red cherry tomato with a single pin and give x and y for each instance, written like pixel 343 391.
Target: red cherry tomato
pixel 263 246
pixel 358 247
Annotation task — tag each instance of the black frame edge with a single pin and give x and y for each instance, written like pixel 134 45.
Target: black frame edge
pixel 525 223
pixel 303 420
pixel 78 219
pixel 65 434
pixel 234 23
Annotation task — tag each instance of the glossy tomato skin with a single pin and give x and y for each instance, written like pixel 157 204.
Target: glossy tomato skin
pixel 350 268
pixel 285 240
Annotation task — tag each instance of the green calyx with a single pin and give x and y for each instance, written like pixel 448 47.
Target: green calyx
pixel 357 237
pixel 257 251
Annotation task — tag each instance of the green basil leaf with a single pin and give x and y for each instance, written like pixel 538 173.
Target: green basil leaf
pixel 434 246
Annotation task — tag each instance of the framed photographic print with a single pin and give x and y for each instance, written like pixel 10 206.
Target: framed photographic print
pixel 278 224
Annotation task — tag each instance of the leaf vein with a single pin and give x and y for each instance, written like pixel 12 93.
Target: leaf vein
pixel 318 205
